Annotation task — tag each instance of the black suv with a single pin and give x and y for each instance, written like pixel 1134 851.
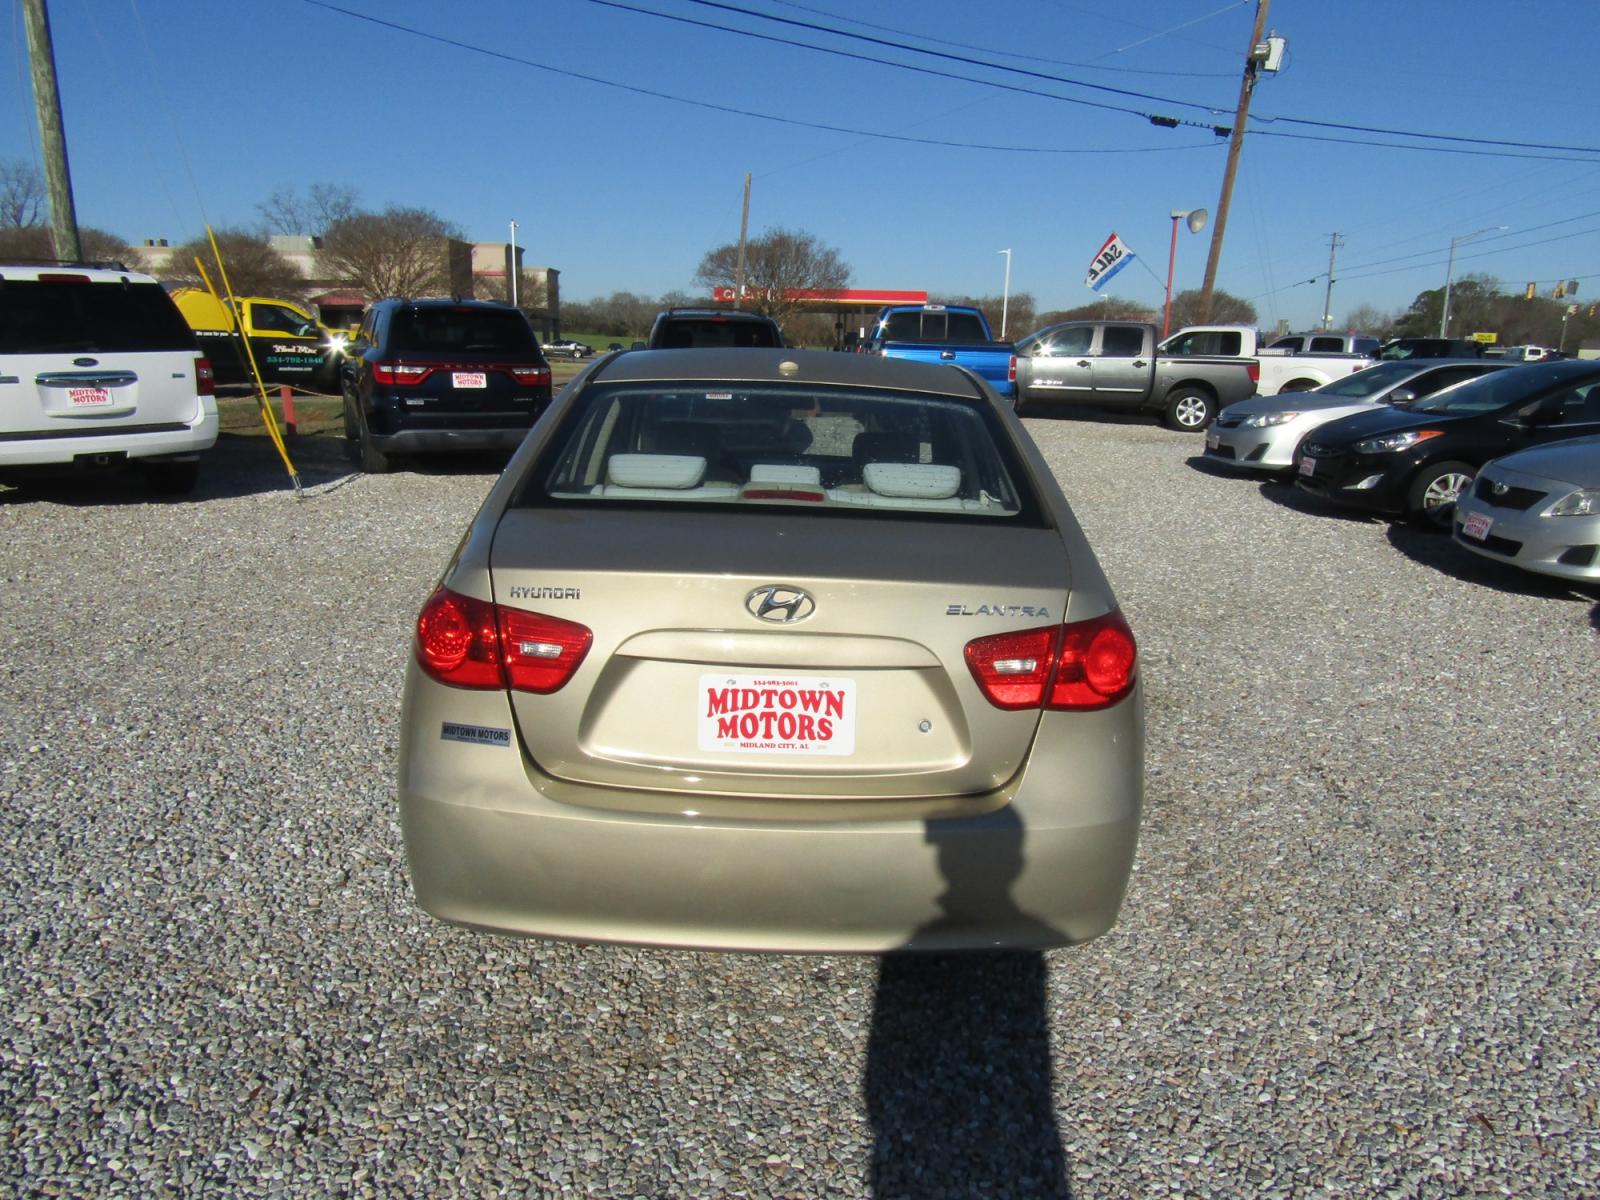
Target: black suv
pixel 681 328
pixel 440 375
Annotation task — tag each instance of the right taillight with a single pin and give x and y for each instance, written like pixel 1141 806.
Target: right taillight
pixel 1083 665
pixel 1098 663
pixel 470 643
pixel 205 379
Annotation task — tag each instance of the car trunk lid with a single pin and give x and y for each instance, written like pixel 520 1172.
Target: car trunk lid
pixel 851 684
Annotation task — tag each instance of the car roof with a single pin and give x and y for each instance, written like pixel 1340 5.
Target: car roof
pixel 734 314
pixel 445 302
pixel 1428 364
pixel 776 365
pixel 96 272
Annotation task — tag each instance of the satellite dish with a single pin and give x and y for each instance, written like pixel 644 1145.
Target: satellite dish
pixel 1197 220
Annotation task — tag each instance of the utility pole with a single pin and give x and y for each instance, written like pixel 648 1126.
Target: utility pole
pixel 744 231
pixel 52 137
pixel 1335 240
pixel 1235 144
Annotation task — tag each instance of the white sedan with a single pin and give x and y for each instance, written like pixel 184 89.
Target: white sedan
pixel 1261 433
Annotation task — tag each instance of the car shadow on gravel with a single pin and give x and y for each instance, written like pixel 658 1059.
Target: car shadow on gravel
pixel 1284 494
pixel 1439 551
pixel 237 465
pixel 241 465
pixel 958 1074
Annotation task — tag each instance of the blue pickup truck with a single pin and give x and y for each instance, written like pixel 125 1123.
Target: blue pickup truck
pixel 944 333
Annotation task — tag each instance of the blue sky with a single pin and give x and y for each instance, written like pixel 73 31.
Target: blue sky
pixel 184 111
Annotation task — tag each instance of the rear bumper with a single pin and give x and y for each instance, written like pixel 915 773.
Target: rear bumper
pixel 494 845
pixel 443 441
pixel 166 440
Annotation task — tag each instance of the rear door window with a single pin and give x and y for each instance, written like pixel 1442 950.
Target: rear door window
pixel 1122 341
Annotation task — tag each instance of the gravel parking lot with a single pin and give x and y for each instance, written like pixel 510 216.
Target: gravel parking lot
pixel 1361 954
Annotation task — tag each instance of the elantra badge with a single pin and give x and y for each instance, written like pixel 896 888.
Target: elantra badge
pixel 780 605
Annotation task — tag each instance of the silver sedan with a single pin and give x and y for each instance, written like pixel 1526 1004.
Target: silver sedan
pixel 1537 509
pixel 1261 433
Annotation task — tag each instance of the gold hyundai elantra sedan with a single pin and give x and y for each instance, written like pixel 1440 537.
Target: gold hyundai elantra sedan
pixel 774 650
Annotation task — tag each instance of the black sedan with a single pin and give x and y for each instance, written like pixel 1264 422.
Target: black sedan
pixel 1414 462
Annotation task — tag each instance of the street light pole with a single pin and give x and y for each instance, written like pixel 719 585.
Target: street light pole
pixel 515 270
pixel 1005 295
pixel 1197 222
pixel 1450 270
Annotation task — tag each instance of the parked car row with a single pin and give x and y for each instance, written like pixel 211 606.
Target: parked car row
pixel 1505 457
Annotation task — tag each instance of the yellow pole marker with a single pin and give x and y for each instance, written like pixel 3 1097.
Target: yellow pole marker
pixel 267 416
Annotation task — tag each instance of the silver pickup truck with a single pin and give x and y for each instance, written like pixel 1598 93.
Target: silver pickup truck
pixel 1113 364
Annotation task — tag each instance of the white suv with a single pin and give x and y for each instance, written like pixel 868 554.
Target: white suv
pixel 99 369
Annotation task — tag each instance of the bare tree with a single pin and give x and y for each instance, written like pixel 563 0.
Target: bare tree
pixel 254 268
pixel 34 242
pixel 1368 318
pixel 324 205
pixel 1226 309
pixel 22 197
pixel 1111 308
pixel 398 252
pixel 777 264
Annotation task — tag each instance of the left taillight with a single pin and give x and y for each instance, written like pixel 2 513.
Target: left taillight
pixel 205 379
pixel 400 374
pixel 469 643
pixel 1253 368
pixel 1074 667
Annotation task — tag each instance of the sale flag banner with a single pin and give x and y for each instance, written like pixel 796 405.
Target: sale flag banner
pixel 1112 257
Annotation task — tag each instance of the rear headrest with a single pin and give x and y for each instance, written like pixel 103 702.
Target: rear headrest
pixel 672 471
pixel 913 481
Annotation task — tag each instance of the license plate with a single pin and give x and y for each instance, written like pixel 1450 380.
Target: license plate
pixel 805 715
pixel 469 379
pixel 1477 526
pixel 1307 465
pixel 1212 440
pixel 89 397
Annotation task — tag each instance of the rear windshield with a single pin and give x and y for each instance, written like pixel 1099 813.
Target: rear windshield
pixel 933 326
pixel 44 316
pixel 681 333
pixel 445 330
pixel 836 451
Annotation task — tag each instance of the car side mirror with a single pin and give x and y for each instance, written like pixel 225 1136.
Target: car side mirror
pixel 1402 397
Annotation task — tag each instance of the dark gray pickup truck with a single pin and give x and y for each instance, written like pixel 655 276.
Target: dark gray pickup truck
pixel 1113 364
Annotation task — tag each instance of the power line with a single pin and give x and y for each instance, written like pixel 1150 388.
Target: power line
pixel 761 116
pixel 1101 87
pixel 1054 62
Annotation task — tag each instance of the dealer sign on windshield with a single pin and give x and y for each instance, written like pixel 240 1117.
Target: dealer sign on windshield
pixel 777 714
